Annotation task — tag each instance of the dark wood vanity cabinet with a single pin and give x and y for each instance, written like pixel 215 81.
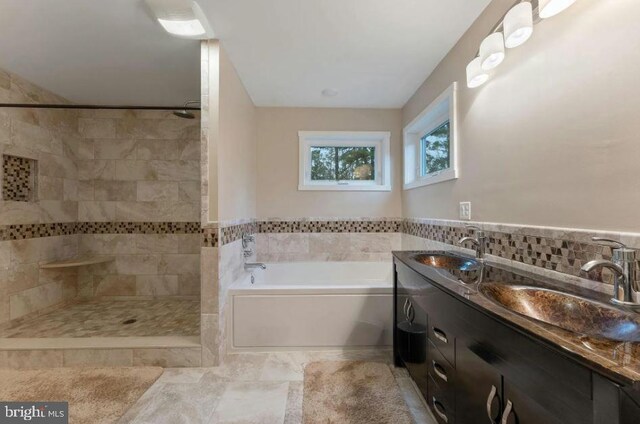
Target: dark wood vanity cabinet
pixel 478 369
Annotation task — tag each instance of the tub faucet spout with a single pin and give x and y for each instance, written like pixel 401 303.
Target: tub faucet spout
pixel 252 266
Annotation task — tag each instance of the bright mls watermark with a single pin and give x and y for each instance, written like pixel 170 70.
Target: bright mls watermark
pixel 34 412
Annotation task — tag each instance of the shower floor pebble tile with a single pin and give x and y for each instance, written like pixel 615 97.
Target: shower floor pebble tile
pixel 106 318
pixel 250 388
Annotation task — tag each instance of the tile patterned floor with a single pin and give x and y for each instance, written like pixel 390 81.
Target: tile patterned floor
pixel 105 318
pixel 249 389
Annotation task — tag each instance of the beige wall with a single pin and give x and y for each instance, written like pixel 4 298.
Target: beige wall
pixel 552 138
pixel 278 194
pixel 237 161
pixel 229 142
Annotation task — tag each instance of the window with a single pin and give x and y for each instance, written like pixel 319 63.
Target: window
pixel 430 143
pixel 340 160
pixel 435 149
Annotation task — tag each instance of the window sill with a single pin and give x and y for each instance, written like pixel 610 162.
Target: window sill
pixel 343 188
pixel 436 179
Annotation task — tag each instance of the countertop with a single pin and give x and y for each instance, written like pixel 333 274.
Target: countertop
pixel 619 361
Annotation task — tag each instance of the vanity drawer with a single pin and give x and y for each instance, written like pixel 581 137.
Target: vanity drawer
pixel 442 338
pixel 442 373
pixel 442 409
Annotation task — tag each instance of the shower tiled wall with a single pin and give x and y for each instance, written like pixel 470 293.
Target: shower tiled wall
pixel 123 183
pixel 49 137
pixel 140 166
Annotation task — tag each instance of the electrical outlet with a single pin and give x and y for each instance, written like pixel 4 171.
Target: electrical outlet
pixel 465 210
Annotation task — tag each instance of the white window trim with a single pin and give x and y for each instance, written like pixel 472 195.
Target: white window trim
pixel 379 139
pixel 439 111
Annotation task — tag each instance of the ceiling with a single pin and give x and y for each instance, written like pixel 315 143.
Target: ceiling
pixel 375 53
pixel 108 52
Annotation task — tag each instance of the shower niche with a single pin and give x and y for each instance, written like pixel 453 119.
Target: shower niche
pixel 19 179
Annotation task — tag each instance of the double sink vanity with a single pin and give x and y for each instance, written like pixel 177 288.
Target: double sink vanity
pixel 487 343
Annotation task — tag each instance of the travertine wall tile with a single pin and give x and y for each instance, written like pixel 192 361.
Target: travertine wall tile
pixel 157 191
pixel 97 128
pixel 157 285
pixel 24 359
pixel 34 299
pixel 98 357
pixel 114 285
pixel 175 357
pixel 114 190
pixel 92 211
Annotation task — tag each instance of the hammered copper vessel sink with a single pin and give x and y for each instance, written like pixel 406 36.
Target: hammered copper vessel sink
pixel 569 312
pixel 441 260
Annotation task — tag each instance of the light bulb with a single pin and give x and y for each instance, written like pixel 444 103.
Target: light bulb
pixel 518 25
pixel 492 51
pixel 549 8
pixel 476 76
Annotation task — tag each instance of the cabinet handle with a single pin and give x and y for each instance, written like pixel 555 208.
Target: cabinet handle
pixel 437 406
pixel 506 412
pixel 492 396
pixel 437 368
pixel 440 335
pixel 411 313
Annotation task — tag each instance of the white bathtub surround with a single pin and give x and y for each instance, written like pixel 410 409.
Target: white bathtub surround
pixel 312 305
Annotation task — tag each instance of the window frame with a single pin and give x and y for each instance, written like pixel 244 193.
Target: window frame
pixel 441 110
pixel 380 140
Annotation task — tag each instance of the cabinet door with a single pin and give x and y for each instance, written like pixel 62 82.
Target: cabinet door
pixel 411 339
pixel 478 386
pixel 630 410
pixel 521 409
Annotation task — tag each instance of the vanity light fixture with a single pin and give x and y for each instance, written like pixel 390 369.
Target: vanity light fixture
pixel 549 8
pixel 492 51
pixel 182 18
pixel 476 76
pixel 518 25
pixel 513 30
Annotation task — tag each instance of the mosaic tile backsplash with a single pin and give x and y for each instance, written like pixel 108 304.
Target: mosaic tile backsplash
pixel 18 179
pixel 564 251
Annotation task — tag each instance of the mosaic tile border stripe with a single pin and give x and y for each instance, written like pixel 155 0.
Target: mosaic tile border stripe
pixel 139 227
pixel 564 252
pixel 29 231
pixel 228 233
pixel 330 226
pixel 235 232
pixel 210 237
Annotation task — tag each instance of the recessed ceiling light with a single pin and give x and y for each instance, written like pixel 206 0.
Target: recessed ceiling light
pixel 182 18
pixel 330 92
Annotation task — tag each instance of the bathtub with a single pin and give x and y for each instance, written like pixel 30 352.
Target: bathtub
pixel 312 305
